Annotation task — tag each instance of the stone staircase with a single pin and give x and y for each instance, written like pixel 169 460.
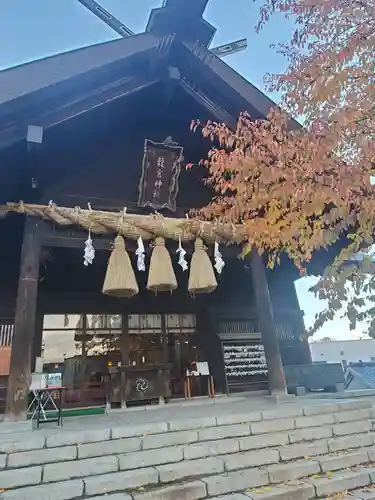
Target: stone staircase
pixel 287 453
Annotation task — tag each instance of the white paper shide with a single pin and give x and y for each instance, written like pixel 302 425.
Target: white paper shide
pixel 140 253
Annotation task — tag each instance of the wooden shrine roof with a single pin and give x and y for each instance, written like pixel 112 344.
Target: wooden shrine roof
pixel 34 76
pixel 42 92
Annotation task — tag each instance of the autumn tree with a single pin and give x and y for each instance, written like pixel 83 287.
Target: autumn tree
pixel 330 80
pixel 300 189
pixel 330 76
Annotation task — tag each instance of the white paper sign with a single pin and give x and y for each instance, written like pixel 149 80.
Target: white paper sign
pixel 38 381
pixel 202 368
pixel 39 362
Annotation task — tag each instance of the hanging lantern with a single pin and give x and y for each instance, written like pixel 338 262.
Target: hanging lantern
pixel 161 276
pixel 120 279
pixel 202 276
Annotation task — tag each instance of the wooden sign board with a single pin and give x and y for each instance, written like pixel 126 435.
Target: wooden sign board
pixel 161 169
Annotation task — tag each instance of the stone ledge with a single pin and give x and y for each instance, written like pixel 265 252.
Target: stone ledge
pixel 337 462
pixel 339 482
pixel 60 491
pixel 281 472
pixel 9 427
pixel 362 494
pixel 297 492
pixel 120 481
pixel 43 456
pixel 13 478
pixel 236 481
pixel 146 483
pixel 352 441
pixel 97 442
pixel 195 490
pixel 234 452
pixel 63 438
pixel 79 468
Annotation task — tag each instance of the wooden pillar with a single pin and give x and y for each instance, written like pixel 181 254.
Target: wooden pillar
pixel 24 324
pixel 276 378
pixel 38 339
pixel 165 338
pixel 124 350
pixel 163 376
pixel 83 367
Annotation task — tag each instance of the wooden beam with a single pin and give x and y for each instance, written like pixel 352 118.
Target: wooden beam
pixel 98 98
pixel 24 324
pixel 63 240
pixel 124 87
pixel 215 109
pixel 276 378
pixel 230 84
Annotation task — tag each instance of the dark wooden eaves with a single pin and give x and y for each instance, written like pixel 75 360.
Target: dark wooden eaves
pixel 194 63
pixel 220 114
pixel 251 94
pixel 97 98
pixel 236 93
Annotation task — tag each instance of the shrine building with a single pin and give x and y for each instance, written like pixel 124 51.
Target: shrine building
pixel 104 277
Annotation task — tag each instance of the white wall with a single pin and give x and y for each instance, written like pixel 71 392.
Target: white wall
pixel 348 350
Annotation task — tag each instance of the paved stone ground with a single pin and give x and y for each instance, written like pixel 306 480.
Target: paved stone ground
pixel 195 409
pixel 201 408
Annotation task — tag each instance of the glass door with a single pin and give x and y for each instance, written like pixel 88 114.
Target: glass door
pixel 79 347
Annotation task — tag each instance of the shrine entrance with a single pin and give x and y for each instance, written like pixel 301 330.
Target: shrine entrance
pixel 120 359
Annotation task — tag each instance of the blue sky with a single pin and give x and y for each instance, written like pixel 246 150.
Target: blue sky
pixel 31 29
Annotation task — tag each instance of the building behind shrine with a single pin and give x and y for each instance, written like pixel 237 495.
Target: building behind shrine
pixel 91 111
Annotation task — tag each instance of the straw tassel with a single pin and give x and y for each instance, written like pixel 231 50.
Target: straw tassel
pixel 202 276
pixel 120 279
pixel 161 276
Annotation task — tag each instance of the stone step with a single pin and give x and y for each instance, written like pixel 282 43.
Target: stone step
pixel 196 490
pixel 193 445
pixel 64 465
pixel 185 445
pixel 299 426
pixel 108 474
pixel 355 484
pixel 362 494
pixel 230 449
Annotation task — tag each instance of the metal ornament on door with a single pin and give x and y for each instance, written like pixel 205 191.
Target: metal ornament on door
pixel 141 385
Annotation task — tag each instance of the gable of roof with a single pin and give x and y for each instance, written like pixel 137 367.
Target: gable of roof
pixel 25 90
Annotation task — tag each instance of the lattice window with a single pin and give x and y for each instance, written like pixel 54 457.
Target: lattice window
pixel 6 333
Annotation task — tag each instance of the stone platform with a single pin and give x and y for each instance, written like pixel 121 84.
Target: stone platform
pixel 233 449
